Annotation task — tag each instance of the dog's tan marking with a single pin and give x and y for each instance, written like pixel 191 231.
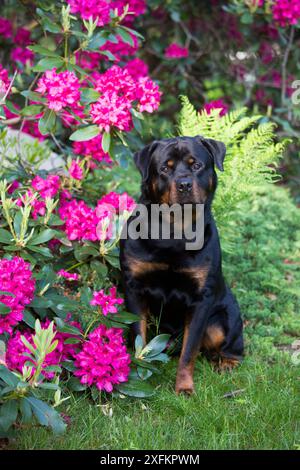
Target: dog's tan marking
pixel 143 326
pixel 198 274
pixel 191 160
pixel 170 163
pixel 139 267
pixel 199 194
pixel 185 371
pixel 213 338
pixel 226 364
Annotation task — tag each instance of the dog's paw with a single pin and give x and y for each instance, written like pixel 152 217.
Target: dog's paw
pixel 184 385
pixel 226 364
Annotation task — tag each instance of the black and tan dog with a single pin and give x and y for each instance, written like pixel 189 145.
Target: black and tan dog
pixel 185 288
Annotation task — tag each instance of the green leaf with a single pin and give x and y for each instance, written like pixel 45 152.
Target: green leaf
pixel 28 318
pixel 4 310
pixel 113 260
pixel 46 415
pixel 125 317
pixel 88 95
pixel 34 96
pixel 5 236
pixel 26 411
pixel 4 292
pixel 8 414
pixel 125 35
pixel 17 222
pixel 31 110
pixel 47 122
pixel 41 250
pixel 48 25
pixel 106 141
pixel 83 252
pixel 75 385
pixel 85 133
pixel 97 41
pixel 136 388
pixel 43 237
pixel 48 64
pixel 42 50
pixel 8 377
pixel 156 345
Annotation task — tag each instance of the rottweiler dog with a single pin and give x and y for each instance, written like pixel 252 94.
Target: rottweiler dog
pixel 184 288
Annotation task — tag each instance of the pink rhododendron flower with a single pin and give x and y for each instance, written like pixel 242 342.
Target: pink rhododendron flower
pixel 107 302
pixel 286 12
pixel 67 275
pixel 137 68
pixel 120 202
pixel 111 110
pixel 148 94
pixel 92 148
pixel 175 51
pixel 216 104
pixel 4 81
pixel 5 28
pixel 61 89
pixel 24 56
pixel 75 171
pixel 80 220
pixel 15 278
pixel 23 37
pixel 13 186
pixel 15 353
pixel 104 360
pixel 48 187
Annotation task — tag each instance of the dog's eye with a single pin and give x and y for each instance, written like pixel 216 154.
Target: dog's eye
pixel 164 169
pixel 196 166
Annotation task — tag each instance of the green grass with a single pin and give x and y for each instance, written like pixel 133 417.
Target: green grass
pixel 263 271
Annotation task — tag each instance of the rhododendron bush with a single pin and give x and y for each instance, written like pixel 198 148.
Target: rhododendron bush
pixel 68 80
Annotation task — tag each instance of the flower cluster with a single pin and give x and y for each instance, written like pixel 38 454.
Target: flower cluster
pixel 175 51
pixel 286 12
pixel 4 81
pixel 22 55
pixel 216 104
pixel 75 170
pixel 119 90
pixel 16 350
pixel 61 89
pixel 5 28
pixel 107 302
pixel 48 187
pixel 104 360
pixel 67 275
pixel 18 284
pixel 100 9
pixel 93 149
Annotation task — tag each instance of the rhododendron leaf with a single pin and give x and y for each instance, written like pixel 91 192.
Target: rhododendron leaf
pixel 4 310
pixel 43 237
pixel 134 32
pixel 8 414
pixel 136 388
pixel 10 294
pixel 106 139
pixel 12 108
pixel 48 64
pixel 83 252
pixel 5 236
pixel 31 110
pixel 156 345
pixel 113 260
pixel 17 222
pixel 125 35
pixel 43 50
pixel 75 385
pixel 46 415
pixel 26 411
pixel 34 96
pixel 47 122
pixel 109 55
pixel 88 95
pixel 49 386
pixel 41 250
pixel 100 268
pixel 125 317
pixel 8 377
pixel 48 25
pixel 85 133
pixel 144 374
pixel 28 318
pixel 97 40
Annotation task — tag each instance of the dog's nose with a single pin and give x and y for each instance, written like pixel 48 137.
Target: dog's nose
pixel 184 185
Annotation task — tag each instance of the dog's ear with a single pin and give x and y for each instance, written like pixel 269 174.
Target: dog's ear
pixel 216 149
pixel 143 157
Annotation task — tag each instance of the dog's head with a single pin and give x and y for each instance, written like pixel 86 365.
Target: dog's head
pixel 180 170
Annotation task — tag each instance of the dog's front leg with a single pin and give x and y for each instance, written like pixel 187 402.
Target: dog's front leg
pixel 139 307
pixel 195 324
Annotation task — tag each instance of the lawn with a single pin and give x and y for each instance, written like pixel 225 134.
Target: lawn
pixel 263 269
